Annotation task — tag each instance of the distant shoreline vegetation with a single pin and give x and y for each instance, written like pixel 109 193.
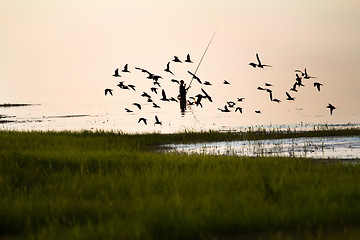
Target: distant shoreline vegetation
pixel 16 104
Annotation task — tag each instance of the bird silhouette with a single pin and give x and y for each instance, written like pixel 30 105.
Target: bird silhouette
pixel 276 100
pixel 302 74
pixel 240 99
pixel 199 97
pixel 108 90
pixel 294 87
pixel 259 64
pixel 195 77
pixel 290 98
pixel 306 76
pixel 238 109
pixel 138 105
pixel 143 119
pixel 317 85
pixel 175 81
pixel 125 68
pixel 231 104
pixel 176 59
pixel 145 95
pixel 154 89
pixel 260 88
pixel 167 69
pixel 225 109
pixel 131 86
pixel 226 82
pixel 268 84
pixel 116 74
pixel 157 121
pixel 331 107
pixel 156 77
pixel 128 110
pixel 157 83
pixel 258 111
pixel 188 60
pixel 207 83
pixel 155 105
pixel 164 98
pixel 206 95
pixel 173 99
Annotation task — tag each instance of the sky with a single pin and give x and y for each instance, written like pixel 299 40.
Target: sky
pixel 66 51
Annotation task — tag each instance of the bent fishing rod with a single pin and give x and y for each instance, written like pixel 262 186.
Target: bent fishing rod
pixel 197 68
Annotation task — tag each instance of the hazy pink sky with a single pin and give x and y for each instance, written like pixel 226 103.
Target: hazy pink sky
pixel 66 51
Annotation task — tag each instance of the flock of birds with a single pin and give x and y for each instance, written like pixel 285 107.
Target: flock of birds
pixel 197 99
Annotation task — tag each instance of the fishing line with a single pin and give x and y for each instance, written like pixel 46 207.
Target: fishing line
pixel 203 55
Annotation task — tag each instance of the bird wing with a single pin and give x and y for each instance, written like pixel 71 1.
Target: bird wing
pixel 168 66
pixel 126 67
pixel 257 57
pixel 287 94
pixel 163 94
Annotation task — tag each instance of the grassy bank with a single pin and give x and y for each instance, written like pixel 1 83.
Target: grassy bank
pixel 105 186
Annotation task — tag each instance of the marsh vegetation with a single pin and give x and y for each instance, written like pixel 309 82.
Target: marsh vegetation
pixel 103 185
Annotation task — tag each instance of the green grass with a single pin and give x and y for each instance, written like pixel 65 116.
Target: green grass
pixel 63 185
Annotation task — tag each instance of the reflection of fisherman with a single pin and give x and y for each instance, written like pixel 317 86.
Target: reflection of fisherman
pixel 182 96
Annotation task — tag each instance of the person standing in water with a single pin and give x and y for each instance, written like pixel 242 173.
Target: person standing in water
pixel 182 95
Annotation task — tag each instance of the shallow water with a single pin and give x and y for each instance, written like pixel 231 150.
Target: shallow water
pixel 311 147
pixel 112 117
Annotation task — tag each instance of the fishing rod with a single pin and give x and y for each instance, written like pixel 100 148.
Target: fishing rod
pixel 203 56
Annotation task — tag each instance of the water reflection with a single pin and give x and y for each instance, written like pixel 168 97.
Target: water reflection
pixel 312 147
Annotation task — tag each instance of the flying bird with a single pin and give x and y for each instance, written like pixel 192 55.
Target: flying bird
pixel 176 59
pixel 155 105
pixel 231 104
pixel 206 95
pixel 258 111
pixel 238 109
pixel 290 98
pixel 276 100
pixel 294 87
pixel 226 82
pixel 260 88
pixel 145 95
pixel 125 68
pixel 154 89
pixel 306 76
pixel 207 83
pixel 128 110
pixel 108 90
pixel 131 86
pixel 259 64
pixel 317 85
pixel 198 100
pixel 167 69
pixel 175 81
pixel 240 99
pixel 116 74
pixel 195 77
pixel 268 84
pixel 157 121
pixel 225 109
pixel 173 99
pixel 331 107
pixel 138 105
pixel 143 119
pixel 188 60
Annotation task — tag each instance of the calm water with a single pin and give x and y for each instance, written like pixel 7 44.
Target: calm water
pixel 111 116
pixel 314 147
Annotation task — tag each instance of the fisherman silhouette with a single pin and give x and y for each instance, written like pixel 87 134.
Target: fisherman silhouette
pixel 182 95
